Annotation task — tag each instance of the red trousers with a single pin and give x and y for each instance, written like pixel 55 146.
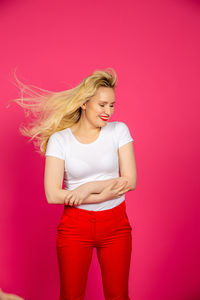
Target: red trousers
pixel 78 232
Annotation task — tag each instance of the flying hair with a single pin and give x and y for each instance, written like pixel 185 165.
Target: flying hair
pixel 50 111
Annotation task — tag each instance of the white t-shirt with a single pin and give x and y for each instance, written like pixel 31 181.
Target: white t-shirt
pixel 90 162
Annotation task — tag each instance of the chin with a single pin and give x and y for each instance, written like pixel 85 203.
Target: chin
pixel 102 124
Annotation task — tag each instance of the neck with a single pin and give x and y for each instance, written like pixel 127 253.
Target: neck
pixel 84 127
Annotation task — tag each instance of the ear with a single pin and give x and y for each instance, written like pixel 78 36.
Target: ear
pixel 83 106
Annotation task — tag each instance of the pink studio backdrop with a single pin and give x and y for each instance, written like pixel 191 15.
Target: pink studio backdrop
pixel 154 48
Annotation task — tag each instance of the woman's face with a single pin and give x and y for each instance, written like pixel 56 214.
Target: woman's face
pixel 100 107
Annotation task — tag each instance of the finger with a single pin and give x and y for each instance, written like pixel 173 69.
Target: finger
pixel 123 183
pixel 71 201
pixel 117 183
pixel 124 191
pixel 121 193
pixel 67 199
pixel 122 180
pixel 69 196
pixel 122 186
pixel 114 184
pixel 76 201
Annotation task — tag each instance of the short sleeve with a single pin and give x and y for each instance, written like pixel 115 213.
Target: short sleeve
pixel 55 146
pixel 122 133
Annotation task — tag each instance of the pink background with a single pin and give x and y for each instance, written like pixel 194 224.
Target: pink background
pixel 154 47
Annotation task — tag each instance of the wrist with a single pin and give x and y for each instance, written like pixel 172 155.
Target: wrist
pixel 89 187
pixel 104 195
pixel 66 200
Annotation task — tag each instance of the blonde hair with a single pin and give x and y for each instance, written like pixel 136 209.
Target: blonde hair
pixel 55 111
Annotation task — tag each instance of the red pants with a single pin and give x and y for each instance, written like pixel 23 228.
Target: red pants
pixel 78 232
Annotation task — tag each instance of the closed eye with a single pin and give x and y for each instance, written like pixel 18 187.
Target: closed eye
pixel 103 105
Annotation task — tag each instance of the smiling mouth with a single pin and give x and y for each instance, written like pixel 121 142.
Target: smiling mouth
pixel 104 119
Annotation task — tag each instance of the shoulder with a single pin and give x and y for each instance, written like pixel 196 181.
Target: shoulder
pixel 119 126
pixel 122 133
pixel 56 145
pixel 59 135
pixel 58 138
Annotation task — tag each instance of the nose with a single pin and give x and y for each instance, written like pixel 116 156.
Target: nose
pixel 107 111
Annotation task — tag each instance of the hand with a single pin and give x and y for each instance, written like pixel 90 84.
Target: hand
pixel 116 189
pixel 76 196
pixel 5 296
pixel 121 187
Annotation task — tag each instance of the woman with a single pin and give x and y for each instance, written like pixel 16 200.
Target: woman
pixel 88 152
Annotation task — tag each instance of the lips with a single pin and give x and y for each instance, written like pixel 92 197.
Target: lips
pixel 103 118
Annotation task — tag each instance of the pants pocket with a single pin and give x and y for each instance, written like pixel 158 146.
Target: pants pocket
pixel 126 221
pixel 65 222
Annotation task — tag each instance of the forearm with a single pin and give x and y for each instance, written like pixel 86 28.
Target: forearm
pixel 94 198
pixel 106 194
pixel 58 197
pixel 99 185
pixel 94 189
pixel 97 198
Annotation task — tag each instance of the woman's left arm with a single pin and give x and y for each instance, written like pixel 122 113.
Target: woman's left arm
pixel 128 171
pixel 127 164
pixel 127 167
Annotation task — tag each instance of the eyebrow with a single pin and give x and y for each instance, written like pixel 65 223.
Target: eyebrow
pixel 106 101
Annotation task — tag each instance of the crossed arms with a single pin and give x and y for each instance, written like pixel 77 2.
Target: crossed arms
pixel 93 191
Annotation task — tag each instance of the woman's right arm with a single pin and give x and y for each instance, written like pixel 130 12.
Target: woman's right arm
pixel 53 180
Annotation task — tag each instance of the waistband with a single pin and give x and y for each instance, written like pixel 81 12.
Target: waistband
pixel 100 215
